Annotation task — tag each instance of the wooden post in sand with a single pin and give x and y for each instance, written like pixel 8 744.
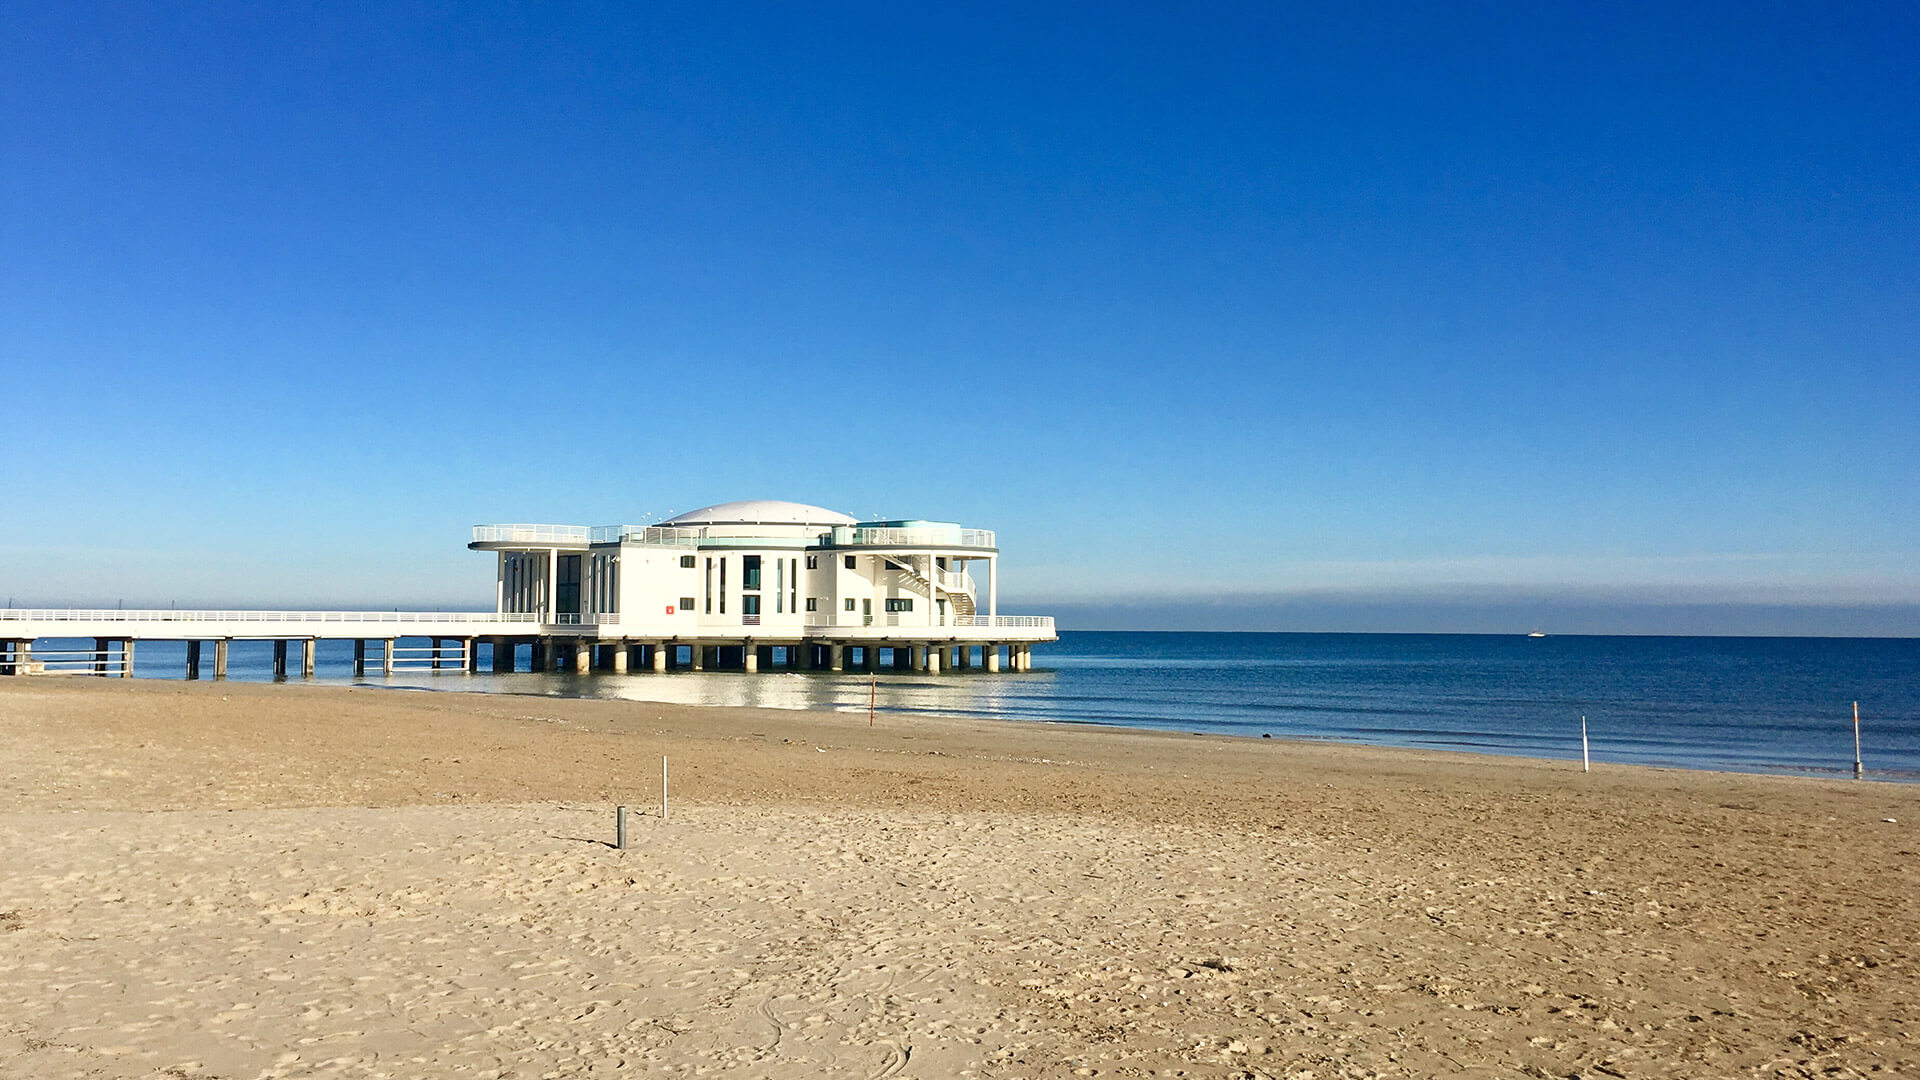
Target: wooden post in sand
pixel 663 787
pixel 1586 760
pixel 620 828
pixel 1858 773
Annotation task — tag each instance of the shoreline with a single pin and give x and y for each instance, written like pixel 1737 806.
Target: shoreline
pixel 330 684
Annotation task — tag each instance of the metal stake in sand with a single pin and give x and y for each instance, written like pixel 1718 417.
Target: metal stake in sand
pixel 620 828
pixel 663 787
pixel 873 691
pixel 1586 759
pixel 1857 772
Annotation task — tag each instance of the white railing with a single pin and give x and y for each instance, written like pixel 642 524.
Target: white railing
pixel 841 536
pixel 923 536
pixel 1007 622
pixel 822 621
pixel 644 534
pixel 81 615
pixel 532 534
pixel 957 581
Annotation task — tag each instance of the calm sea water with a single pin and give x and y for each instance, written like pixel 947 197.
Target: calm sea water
pixel 1744 704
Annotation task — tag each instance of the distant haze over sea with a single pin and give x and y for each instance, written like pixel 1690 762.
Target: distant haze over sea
pixel 1493 614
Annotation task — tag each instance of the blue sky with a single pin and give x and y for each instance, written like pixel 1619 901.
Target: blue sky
pixel 1421 317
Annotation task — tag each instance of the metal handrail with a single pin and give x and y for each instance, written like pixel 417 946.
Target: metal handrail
pixel 927 536
pixel 532 534
pixel 957 581
pixel 995 622
pixel 824 621
pixel 170 615
pixel 840 536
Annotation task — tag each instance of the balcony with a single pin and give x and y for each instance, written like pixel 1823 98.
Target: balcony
pixel 533 535
pixel 931 535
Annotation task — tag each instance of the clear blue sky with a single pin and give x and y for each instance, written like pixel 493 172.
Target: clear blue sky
pixel 1422 317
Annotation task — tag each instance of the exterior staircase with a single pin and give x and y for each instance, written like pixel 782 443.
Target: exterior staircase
pixel 956 586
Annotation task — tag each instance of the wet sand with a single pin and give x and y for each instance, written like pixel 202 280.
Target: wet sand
pixel 236 880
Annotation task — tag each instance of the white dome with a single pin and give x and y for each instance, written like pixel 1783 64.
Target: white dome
pixel 761 512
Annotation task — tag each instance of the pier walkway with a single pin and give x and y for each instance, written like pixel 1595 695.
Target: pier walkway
pixel 456 640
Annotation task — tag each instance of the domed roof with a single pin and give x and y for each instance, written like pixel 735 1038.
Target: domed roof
pixel 760 512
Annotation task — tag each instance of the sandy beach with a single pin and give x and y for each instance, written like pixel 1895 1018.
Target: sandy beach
pixel 234 880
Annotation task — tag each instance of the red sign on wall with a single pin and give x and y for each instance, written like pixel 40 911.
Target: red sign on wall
pixel 669 609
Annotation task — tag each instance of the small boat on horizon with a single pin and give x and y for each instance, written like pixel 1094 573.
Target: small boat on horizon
pixel 1536 633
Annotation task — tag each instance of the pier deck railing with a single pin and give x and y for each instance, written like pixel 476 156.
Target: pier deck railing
pixel 484 618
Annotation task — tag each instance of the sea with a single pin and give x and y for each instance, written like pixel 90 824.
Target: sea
pixel 1772 705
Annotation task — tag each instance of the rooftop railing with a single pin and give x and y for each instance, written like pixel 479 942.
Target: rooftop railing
pixel 682 536
pixel 648 534
pixel 912 536
pixel 532 534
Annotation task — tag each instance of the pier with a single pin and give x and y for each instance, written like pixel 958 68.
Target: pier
pixel 745 586
pixel 476 642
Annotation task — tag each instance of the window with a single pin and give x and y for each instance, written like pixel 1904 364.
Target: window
pixel 750 605
pixel 849 603
pixel 723 584
pixel 567 586
pixel 709 586
pixel 686 562
pixel 900 603
pixel 749 571
pixel 891 565
pixel 793 585
pixel 779 583
pixel 686 603
pixel 813 603
pixel 813 562
pixel 850 562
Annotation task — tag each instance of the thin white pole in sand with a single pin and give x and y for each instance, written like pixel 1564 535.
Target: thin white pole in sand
pixel 1858 773
pixel 1586 759
pixel 663 787
pixel 620 828
pixel 873 692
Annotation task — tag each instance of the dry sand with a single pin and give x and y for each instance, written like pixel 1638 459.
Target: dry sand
pixel 229 880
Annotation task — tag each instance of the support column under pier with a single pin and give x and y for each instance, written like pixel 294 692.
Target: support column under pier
pixel 280 658
pixel 126 658
pixel 220 648
pixel 100 656
pixel 991 654
pixel 309 650
pixel 193 659
pixel 540 655
pixel 750 657
pixel 386 657
pixel 934 654
pixel 502 655
pixel 471 646
pixel 359 658
pixel 582 657
pixel 621 654
pixel 660 654
pixel 699 655
pixel 836 657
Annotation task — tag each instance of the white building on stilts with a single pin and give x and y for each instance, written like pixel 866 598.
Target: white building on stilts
pixel 755 584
